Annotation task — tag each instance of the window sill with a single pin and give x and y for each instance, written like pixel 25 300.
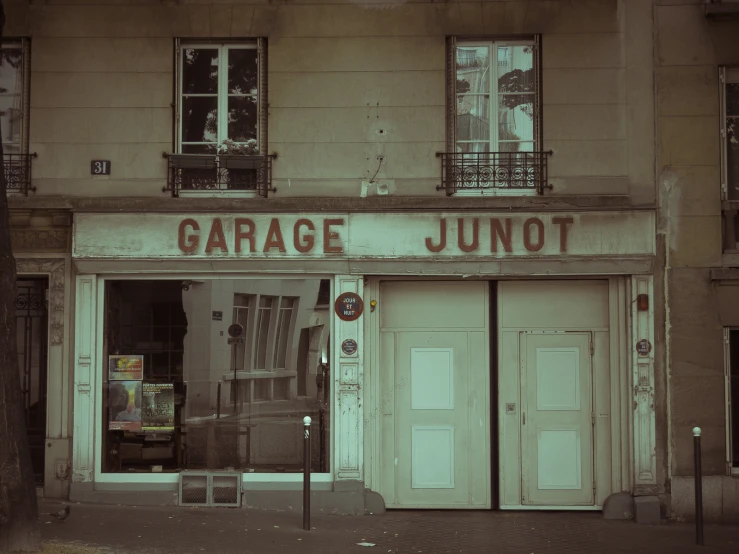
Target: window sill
pixel 218 193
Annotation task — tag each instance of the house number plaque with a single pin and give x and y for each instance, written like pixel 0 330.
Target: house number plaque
pixel 100 167
pixel 349 306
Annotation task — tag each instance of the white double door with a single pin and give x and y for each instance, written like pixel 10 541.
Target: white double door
pixel 556 419
pixel 435 390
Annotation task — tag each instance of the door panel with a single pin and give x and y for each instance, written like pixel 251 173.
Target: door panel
pixel 436 440
pixel 556 424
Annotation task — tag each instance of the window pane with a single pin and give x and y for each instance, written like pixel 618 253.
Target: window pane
pixel 11 85
pixel 515 117
pixel 11 64
pixel 516 147
pixel 11 119
pixel 199 148
pixel 242 71
pixel 242 118
pixel 515 69
pixel 200 71
pixel 200 119
pixel 241 316
pixel 473 69
pixel 283 330
pixel 732 157
pixel 473 117
pixel 262 334
pixel 470 147
pixel 732 99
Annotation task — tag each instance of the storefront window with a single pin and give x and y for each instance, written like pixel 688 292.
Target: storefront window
pixel 214 374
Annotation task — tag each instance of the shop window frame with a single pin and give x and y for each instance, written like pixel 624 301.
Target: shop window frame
pixel 97 311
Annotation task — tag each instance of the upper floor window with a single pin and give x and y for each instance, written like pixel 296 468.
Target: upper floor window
pixel 218 108
pixel 730 132
pixel 14 114
pixel 493 131
pixel 221 119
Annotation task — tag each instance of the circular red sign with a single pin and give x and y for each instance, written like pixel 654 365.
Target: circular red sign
pixel 349 306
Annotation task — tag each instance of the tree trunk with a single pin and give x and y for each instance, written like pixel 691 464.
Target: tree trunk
pixel 19 527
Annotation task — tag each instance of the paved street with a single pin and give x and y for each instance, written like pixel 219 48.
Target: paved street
pixel 128 530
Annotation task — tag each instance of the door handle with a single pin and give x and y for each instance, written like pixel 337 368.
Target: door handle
pixel 524 417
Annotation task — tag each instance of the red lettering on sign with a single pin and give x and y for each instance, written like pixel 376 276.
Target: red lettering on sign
pixel 329 235
pixel 274 237
pixel 188 243
pixel 216 238
pixel 306 242
pixel 471 247
pixel 562 222
pixel 531 246
pixel 442 238
pixel 497 232
pixel 239 234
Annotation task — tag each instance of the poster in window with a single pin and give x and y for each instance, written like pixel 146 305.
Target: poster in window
pixel 124 406
pixel 158 407
pixel 125 368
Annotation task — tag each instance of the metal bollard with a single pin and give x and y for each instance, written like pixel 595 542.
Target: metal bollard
pixel 698 486
pixel 306 473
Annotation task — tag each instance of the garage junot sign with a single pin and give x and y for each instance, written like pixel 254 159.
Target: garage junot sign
pixel 363 235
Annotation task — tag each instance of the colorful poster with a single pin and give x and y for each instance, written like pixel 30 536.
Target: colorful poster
pixel 158 407
pixel 125 368
pixel 124 406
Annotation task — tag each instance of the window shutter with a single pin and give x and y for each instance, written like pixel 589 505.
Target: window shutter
pixel 538 134
pixel 263 103
pixel 723 149
pixel 177 94
pixel 451 94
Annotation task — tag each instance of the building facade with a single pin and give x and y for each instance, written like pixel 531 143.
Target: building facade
pixel 697 161
pixel 441 230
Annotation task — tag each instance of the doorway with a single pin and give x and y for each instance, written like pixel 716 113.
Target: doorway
pixel 435 375
pixel 31 318
pixel 556 423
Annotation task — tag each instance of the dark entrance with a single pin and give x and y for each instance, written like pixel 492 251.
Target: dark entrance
pixel 32 335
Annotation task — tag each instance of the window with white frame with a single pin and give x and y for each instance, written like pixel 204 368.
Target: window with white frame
pixel 493 135
pixel 221 98
pixel 729 80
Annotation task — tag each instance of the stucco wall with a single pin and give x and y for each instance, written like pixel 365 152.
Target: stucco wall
pixel 102 88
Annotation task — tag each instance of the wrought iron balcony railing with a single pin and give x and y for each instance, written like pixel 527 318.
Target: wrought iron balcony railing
pixel 18 173
pixel 493 171
pixel 206 173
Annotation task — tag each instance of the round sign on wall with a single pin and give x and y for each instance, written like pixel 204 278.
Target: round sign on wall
pixel 349 347
pixel 349 306
pixel 643 347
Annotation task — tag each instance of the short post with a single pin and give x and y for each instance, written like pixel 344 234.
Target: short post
pixel 306 473
pixel 698 486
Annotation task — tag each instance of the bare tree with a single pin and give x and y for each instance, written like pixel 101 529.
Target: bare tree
pixel 19 527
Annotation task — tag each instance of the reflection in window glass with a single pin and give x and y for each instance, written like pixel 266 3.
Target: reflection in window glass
pixel 283 329
pixel 11 97
pixel 495 121
pixel 262 341
pixel 179 393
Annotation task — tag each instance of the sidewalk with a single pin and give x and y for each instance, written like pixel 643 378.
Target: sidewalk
pixel 160 530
